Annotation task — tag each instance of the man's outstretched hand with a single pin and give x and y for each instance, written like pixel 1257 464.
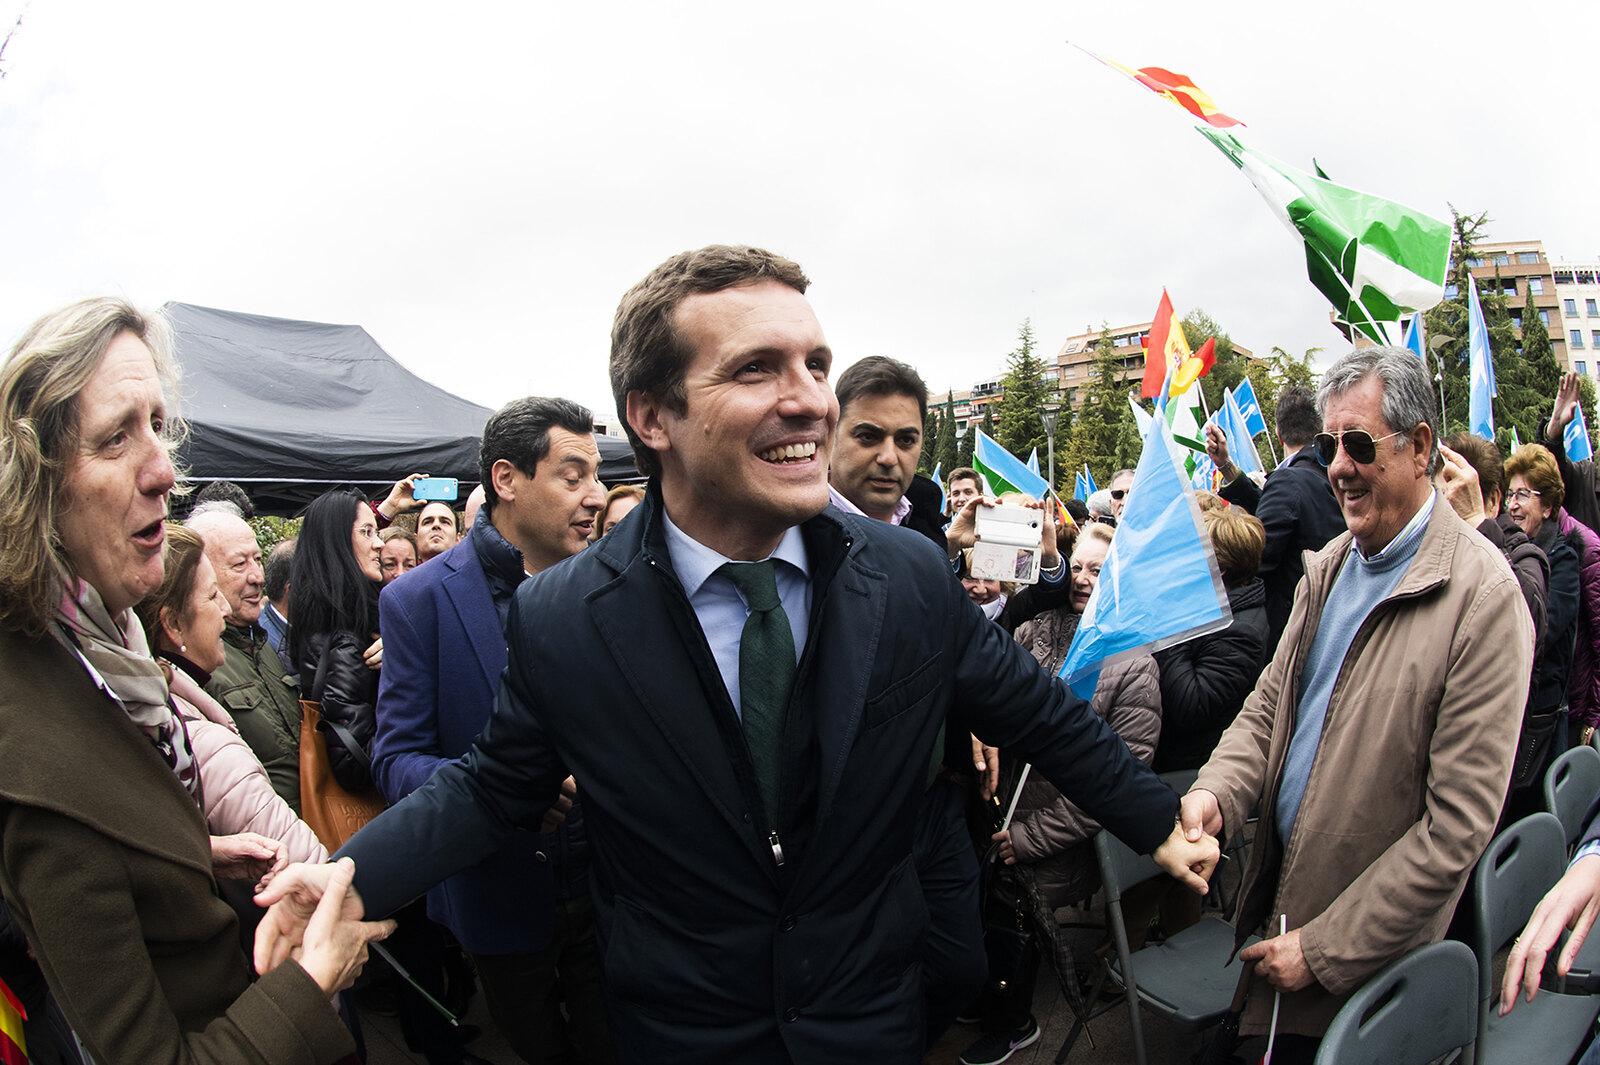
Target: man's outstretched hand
pixel 1190 862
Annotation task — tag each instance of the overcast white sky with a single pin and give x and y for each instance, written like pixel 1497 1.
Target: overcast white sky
pixel 478 184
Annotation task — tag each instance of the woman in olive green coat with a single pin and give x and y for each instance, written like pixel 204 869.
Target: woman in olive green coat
pixel 105 859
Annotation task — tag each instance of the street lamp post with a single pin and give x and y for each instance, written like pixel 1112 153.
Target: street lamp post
pixel 1436 344
pixel 1050 417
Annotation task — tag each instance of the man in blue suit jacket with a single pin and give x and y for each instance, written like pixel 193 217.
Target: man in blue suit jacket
pixel 750 799
pixel 523 912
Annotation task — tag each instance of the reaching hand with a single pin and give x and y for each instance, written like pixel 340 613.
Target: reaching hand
pixel 1201 815
pixel 1572 903
pixel 1458 481
pixel 1565 408
pixel 1190 862
pixel 986 760
pixel 373 656
pixel 1008 851
pixel 247 856
pixel 963 531
pixel 400 499
pixel 1217 449
pixel 556 816
pixel 1280 961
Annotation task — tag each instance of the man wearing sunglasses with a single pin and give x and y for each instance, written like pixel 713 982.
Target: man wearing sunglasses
pixel 1296 506
pixel 1378 743
pixel 1121 485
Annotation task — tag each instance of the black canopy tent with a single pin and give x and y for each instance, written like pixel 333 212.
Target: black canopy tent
pixel 288 410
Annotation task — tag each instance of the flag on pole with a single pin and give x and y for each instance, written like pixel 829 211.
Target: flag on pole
pixel 1250 407
pixel 13 1045
pixel 1480 361
pixel 1372 258
pixel 1033 461
pixel 1516 441
pixel 1141 417
pixel 1183 417
pixel 1178 88
pixel 1159 584
pixel 1165 347
pixel 1576 438
pixel 1414 337
pixel 1088 481
pixel 1079 490
pixel 1241 444
pixel 1195 366
pixel 944 499
pixel 1003 471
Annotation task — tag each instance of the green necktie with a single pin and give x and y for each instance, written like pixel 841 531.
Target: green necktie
pixel 766 672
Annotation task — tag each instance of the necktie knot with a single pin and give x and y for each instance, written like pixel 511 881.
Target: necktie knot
pixel 756 581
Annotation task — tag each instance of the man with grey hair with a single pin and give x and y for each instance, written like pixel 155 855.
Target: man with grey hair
pixel 1378 743
pixel 251 683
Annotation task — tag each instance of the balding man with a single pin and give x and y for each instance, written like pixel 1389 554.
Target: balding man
pixel 251 683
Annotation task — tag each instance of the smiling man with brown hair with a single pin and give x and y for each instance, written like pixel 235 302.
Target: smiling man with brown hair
pixel 753 734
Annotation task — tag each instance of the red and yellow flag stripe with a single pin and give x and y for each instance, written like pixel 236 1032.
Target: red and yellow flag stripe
pixel 1179 88
pixel 13 1045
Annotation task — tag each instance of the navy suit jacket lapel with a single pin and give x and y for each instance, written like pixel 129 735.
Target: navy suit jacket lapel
pixel 468 590
pixel 845 632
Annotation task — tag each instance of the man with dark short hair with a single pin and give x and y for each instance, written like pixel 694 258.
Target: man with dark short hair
pixel 1296 505
pixel 522 912
pixel 966 484
pixel 754 724
pixel 437 531
pixel 1121 484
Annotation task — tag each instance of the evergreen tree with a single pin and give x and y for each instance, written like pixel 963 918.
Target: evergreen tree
pixel 1447 322
pixel 1231 367
pixel 930 441
pixel 1586 403
pixel 947 457
pixel 988 421
pixel 1104 435
pixel 1519 402
pixel 1022 404
pixel 1543 370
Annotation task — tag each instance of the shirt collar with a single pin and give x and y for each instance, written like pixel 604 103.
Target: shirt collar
pixel 694 562
pixel 902 509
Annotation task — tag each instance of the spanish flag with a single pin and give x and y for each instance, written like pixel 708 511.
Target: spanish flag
pixel 1165 348
pixel 13 1046
pixel 1178 88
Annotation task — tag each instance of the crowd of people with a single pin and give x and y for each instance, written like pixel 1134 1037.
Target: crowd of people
pixel 710 769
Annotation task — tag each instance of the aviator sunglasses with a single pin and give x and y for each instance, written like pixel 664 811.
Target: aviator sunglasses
pixel 1358 444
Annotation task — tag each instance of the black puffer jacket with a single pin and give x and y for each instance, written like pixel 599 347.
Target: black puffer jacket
pixel 1204 681
pixel 348 692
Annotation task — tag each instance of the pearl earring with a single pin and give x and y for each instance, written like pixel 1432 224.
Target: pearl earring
pixel 183 648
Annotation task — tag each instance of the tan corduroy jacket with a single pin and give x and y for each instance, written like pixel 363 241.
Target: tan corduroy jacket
pixel 105 863
pixel 1409 776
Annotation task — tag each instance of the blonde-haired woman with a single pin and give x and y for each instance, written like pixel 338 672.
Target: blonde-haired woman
pixel 105 858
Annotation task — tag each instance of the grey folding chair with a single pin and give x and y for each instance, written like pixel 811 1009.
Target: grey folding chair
pixel 1570 787
pixel 1519 866
pixel 1188 978
pixel 1412 1012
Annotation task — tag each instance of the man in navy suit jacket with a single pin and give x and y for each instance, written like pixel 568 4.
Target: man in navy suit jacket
pixel 754 880
pixel 523 912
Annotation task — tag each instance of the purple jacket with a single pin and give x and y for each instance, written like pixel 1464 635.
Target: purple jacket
pixel 1583 685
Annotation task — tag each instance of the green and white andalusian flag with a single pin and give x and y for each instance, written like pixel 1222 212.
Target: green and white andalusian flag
pixel 1375 260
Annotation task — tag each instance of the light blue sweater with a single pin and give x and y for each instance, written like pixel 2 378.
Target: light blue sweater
pixel 1362 584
